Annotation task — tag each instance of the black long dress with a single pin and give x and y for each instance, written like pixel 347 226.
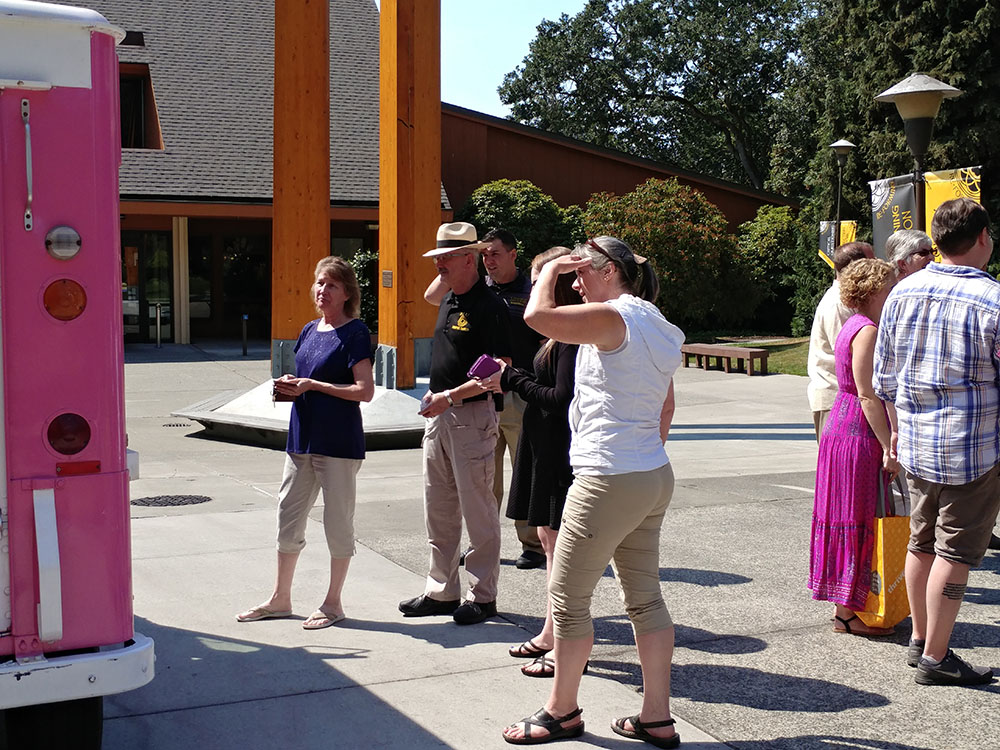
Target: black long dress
pixel 542 473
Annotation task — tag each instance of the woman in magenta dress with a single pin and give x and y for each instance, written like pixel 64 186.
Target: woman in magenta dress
pixel 856 456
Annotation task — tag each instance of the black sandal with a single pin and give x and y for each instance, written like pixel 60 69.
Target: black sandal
pixel 639 731
pixel 873 632
pixel 556 731
pixel 547 666
pixel 527 650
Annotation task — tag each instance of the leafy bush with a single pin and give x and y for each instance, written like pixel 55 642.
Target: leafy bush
pixel 519 206
pixel 767 247
pixel 702 279
pixel 365 265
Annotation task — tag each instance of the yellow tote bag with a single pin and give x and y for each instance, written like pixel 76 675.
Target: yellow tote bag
pixel 887 604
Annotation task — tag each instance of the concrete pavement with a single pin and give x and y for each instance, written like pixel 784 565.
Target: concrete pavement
pixel 756 666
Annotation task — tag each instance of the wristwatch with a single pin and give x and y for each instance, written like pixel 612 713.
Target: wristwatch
pixel 447 396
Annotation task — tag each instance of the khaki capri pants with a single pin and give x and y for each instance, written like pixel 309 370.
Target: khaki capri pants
pixel 304 476
pixel 613 518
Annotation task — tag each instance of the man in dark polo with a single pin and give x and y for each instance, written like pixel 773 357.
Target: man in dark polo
pixel 460 436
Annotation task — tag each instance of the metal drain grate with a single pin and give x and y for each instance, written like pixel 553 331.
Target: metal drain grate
pixel 167 501
pixel 177 424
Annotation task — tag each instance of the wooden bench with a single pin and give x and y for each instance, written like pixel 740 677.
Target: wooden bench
pixel 724 355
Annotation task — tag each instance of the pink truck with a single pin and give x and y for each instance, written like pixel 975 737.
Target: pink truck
pixel 66 632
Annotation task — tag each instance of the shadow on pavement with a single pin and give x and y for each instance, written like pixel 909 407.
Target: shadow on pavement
pixel 745 426
pixel 752 688
pixel 733 433
pixel 251 695
pixel 690 575
pixel 821 742
pixel 615 630
pixel 702 577
pixel 208 352
pixel 441 630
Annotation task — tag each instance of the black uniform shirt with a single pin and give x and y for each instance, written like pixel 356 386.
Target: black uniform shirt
pixel 468 326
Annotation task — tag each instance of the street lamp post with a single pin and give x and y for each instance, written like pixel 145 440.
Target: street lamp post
pixel 841 149
pixel 918 99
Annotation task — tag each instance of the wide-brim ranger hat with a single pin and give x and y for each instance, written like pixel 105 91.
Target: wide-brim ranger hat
pixel 455 237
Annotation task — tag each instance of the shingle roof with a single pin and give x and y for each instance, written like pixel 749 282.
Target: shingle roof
pixel 211 65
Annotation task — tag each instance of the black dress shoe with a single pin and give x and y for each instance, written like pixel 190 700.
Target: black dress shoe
pixel 994 541
pixel 424 606
pixel 530 559
pixel 471 613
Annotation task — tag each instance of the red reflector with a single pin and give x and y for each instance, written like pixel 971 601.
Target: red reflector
pixel 69 468
pixel 69 433
pixel 64 299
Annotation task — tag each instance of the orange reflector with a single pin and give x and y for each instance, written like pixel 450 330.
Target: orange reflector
pixel 69 433
pixel 64 299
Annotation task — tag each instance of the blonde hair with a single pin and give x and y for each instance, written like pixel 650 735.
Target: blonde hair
pixel 862 280
pixel 342 272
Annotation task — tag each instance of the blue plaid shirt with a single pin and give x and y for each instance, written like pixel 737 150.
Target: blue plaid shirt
pixel 937 359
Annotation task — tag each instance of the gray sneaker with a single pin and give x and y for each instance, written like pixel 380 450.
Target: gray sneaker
pixel 913 653
pixel 953 670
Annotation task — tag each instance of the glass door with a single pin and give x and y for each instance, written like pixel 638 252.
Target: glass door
pixel 147 281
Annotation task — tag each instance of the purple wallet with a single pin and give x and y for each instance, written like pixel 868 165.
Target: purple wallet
pixel 483 367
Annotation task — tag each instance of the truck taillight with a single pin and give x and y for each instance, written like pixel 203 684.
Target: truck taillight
pixel 64 299
pixel 69 433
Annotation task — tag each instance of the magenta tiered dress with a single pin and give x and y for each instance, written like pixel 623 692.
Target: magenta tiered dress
pixel 848 474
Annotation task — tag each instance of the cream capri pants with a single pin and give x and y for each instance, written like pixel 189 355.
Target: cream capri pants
pixel 611 518
pixel 304 476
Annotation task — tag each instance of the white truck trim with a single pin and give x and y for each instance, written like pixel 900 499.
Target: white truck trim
pixel 66 678
pixel 44 45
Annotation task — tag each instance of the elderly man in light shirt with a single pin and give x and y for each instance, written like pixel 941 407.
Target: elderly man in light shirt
pixel 827 322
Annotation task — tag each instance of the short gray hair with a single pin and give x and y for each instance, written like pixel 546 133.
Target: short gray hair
pixel 904 243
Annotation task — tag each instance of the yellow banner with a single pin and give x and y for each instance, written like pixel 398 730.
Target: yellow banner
pixel 828 243
pixel 948 185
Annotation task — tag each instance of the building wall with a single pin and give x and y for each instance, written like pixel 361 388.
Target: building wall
pixel 478 148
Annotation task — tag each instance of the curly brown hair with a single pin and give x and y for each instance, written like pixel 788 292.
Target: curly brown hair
pixel 862 280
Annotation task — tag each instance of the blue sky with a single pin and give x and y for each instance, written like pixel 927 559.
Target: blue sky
pixel 482 40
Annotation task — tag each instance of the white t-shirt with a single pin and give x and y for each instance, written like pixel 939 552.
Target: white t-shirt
pixel 615 412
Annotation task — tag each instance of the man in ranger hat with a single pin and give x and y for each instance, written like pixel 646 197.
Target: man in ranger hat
pixel 460 436
pixel 513 287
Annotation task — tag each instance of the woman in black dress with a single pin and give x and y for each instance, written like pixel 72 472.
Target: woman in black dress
pixel 542 473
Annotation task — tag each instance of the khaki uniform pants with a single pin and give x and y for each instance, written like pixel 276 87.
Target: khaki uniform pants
pixel 510 432
pixel 458 484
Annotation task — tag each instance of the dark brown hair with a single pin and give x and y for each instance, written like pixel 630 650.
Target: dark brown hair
pixel 957 225
pixel 849 252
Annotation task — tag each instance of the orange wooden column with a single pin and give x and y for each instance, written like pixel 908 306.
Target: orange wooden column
pixel 300 233
pixel 409 175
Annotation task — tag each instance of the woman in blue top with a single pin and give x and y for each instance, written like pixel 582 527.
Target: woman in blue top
pixel 326 441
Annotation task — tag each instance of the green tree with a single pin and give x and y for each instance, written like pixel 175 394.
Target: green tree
pixel 687 239
pixel 691 82
pixel 519 206
pixel 852 51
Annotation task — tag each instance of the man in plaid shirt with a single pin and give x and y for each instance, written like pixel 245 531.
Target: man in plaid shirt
pixel 938 360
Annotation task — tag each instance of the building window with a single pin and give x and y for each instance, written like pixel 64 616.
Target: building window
pixel 139 121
